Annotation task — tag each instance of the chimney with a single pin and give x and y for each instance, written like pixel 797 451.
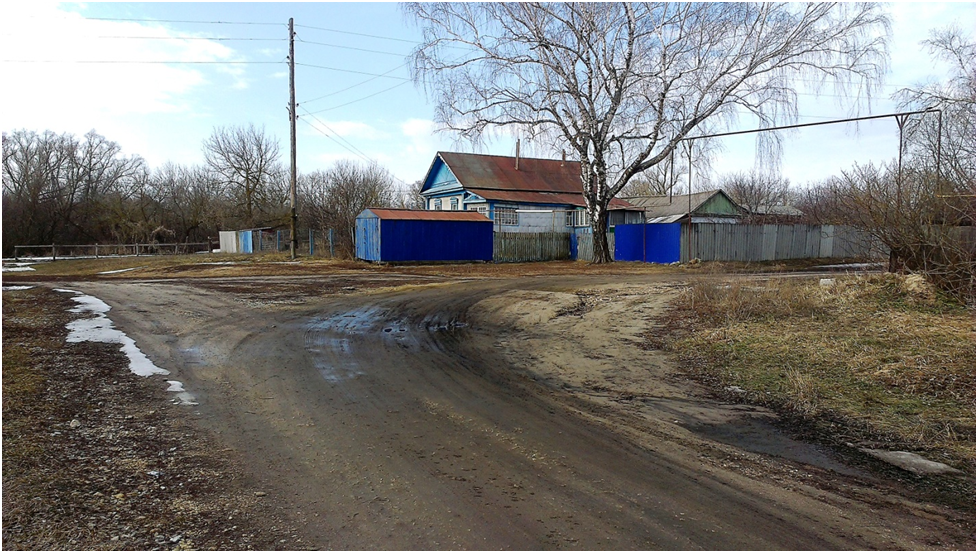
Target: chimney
pixel 563 157
pixel 517 154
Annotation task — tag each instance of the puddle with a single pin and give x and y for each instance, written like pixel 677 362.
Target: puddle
pixel 760 436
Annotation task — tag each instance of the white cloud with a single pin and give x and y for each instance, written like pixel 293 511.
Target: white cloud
pixel 57 83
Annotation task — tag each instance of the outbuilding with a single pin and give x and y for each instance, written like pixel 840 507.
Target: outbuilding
pixel 409 235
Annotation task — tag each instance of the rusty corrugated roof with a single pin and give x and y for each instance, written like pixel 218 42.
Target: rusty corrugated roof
pixel 423 215
pixel 537 180
pixel 499 173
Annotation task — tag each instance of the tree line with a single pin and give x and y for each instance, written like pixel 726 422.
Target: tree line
pixel 64 189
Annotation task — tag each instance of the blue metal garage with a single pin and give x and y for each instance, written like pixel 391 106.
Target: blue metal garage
pixel 405 235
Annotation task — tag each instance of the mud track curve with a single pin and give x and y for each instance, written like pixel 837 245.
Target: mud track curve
pixel 389 421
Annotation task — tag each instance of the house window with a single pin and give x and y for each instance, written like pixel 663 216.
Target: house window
pixel 569 218
pixel 454 204
pixel 479 208
pixel 507 216
pixel 436 204
pixel 578 218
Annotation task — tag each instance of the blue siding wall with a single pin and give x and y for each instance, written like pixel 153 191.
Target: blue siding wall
pixel 651 243
pixel 367 240
pixel 441 180
pixel 415 240
pixel 244 241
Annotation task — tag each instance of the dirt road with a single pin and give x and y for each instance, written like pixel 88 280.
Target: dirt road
pixel 510 413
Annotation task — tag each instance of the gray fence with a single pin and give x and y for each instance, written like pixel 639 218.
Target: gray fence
pixel 585 246
pixel 521 247
pixel 727 242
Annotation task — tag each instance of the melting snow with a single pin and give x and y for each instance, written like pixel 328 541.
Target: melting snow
pixel 18 269
pixel 6 288
pixel 121 270
pixel 183 397
pixel 100 329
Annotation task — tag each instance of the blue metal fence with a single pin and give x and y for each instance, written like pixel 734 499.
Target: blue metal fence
pixel 651 243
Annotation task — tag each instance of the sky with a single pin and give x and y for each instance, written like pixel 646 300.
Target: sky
pixel 112 68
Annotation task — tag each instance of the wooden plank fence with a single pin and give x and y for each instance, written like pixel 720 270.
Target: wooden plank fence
pixel 585 246
pixel 522 247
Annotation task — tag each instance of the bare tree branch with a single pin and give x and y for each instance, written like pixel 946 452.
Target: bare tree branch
pixel 622 84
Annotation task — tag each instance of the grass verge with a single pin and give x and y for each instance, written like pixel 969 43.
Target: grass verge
pixel 97 458
pixel 879 361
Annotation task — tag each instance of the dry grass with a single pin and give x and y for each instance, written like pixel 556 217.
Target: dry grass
pixel 279 264
pixel 884 356
pixel 83 438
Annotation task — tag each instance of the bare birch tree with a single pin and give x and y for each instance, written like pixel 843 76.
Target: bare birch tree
pixel 622 84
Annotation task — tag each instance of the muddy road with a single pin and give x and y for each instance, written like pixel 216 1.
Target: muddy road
pixel 485 414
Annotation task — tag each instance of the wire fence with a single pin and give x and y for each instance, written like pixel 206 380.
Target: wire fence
pixel 67 251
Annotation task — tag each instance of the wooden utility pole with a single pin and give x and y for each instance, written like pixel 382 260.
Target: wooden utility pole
pixel 294 242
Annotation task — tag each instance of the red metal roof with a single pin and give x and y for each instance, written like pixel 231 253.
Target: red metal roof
pixel 499 173
pixel 537 180
pixel 423 215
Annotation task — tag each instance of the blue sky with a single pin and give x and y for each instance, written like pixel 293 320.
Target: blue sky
pixel 355 101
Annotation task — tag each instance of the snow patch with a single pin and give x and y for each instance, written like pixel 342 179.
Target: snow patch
pixel 183 397
pixel 10 288
pixel 121 270
pixel 18 269
pixel 100 329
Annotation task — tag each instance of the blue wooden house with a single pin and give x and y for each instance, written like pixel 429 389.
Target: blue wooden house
pixel 517 194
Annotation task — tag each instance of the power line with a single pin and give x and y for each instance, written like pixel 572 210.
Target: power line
pixel 352 71
pixel 352 48
pixel 320 121
pixel 360 99
pixel 320 131
pixel 183 21
pixel 358 34
pixel 189 38
pixel 354 85
pixel 145 62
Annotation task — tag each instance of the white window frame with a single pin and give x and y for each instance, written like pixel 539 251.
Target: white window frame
pixel 578 218
pixel 507 216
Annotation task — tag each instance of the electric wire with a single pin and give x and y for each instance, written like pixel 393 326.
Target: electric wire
pixel 321 122
pixel 361 99
pixel 353 85
pixel 356 34
pixel 350 48
pixel 351 71
pixel 147 62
